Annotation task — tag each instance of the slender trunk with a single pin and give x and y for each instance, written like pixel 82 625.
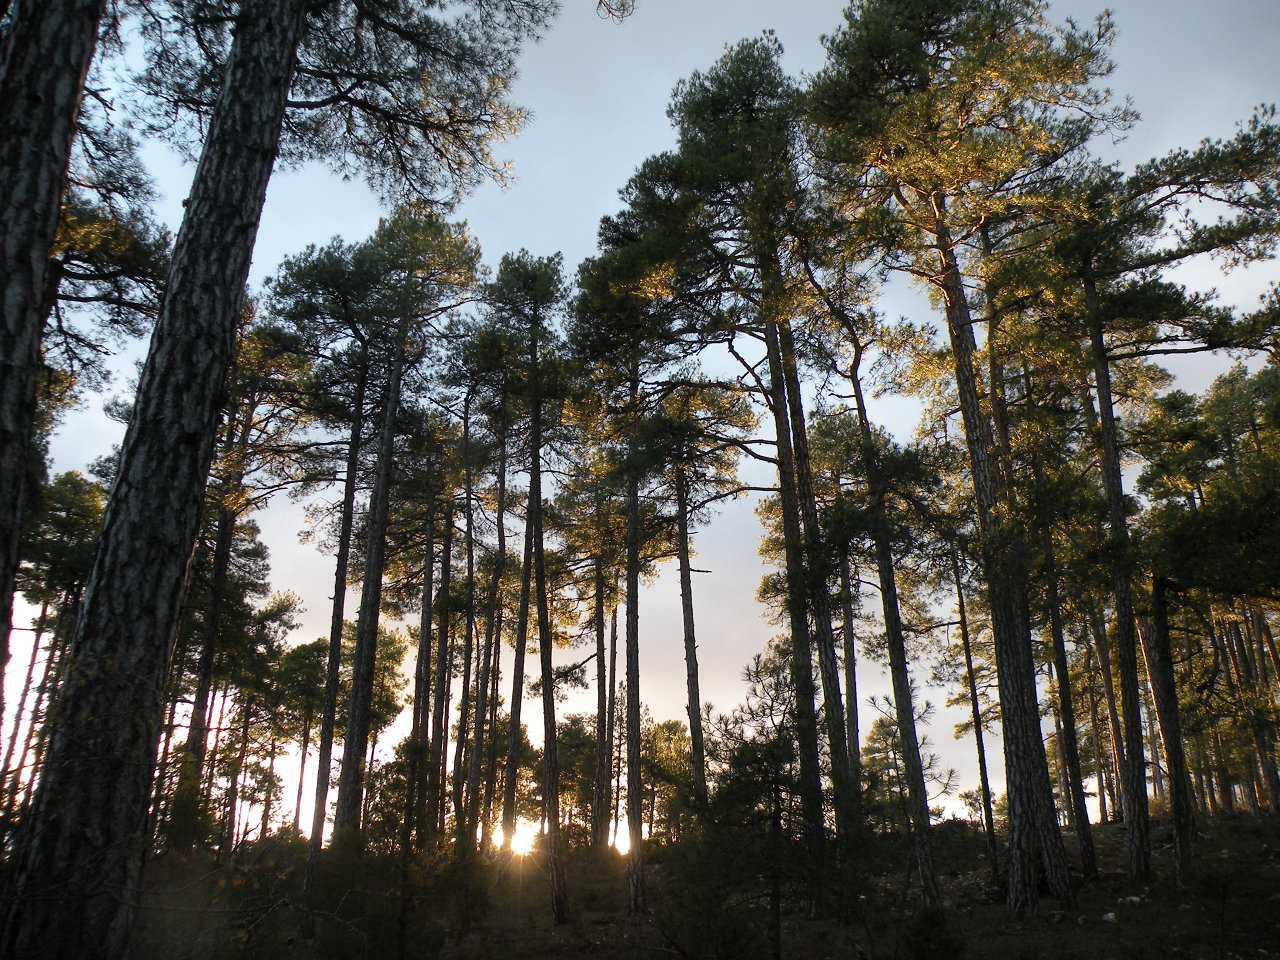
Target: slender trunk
pixel 44 58
pixel 491 769
pixel 302 769
pixel 464 836
pixel 1099 630
pixel 615 754
pixel 511 778
pixel 268 800
pixel 185 816
pixel 852 736
pixel 1095 728
pixel 819 599
pixel 87 851
pixel 546 639
pixel 988 820
pixel 895 642
pixel 329 709
pixel 604 766
pixel 490 640
pixel 1135 784
pixel 698 760
pixel 443 665
pixel 1030 792
pixel 1070 753
pixel 806 718
pixel 415 796
pixel 22 702
pixel 1159 658
pixel 637 899
pixel 227 842
pixel 351 774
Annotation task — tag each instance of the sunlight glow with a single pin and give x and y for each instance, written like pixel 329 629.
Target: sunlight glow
pixel 524 838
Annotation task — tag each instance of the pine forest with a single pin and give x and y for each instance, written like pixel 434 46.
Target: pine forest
pixel 488 732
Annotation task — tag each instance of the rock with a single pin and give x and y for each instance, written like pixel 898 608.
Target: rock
pixel 1109 918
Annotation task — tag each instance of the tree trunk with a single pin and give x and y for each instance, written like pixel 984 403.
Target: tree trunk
pixel 22 705
pixel 511 778
pixel 636 896
pixel 1030 792
pixel 1135 783
pixel 444 666
pixel 698 765
pixel 819 599
pixel 1099 630
pixel 895 642
pixel 806 718
pixel 466 841
pixel 604 739
pixel 86 850
pixel 988 820
pixel 415 796
pixel 44 58
pixel 333 667
pixel 185 812
pixel 1066 711
pixel 356 739
pixel 302 769
pixel 852 736
pixel 490 639
pixel 546 639
pixel 1159 657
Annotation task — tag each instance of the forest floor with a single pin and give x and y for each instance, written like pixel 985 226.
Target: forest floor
pixel 1228 909
pixel 708 902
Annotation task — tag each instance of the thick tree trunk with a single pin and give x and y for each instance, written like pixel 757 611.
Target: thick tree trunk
pixel 86 850
pixel 988 820
pixel 511 778
pixel 1135 783
pixel 44 58
pixel 1066 711
pixel 698 765
pixel 346 815
pixel 806 716
pixel 333 667
pixel 1159 657
pixel 1030 792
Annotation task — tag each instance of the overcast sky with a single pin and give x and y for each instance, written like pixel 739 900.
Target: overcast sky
pixel 597 92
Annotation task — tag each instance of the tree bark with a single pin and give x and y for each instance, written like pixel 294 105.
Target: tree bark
pixel 636 896
pixel 86 850
pixel 1099 630
pixel 852 736
pixel 1159 658
pixel 988 820
pixel 1135 783
pixel 460 801
pixel 415 796
pixel 44 58
pixel 806 719
pixel 546 639
pixel 1066 711
pixel 440 695
pixel 698 764
pixel 333 667
pixel 346 815
pixel 816 591
pixel 603 772
pixel 490 639
pixel 511 778
pixel 1030 792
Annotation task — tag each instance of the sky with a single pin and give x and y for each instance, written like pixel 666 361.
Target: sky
pixel 597 93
